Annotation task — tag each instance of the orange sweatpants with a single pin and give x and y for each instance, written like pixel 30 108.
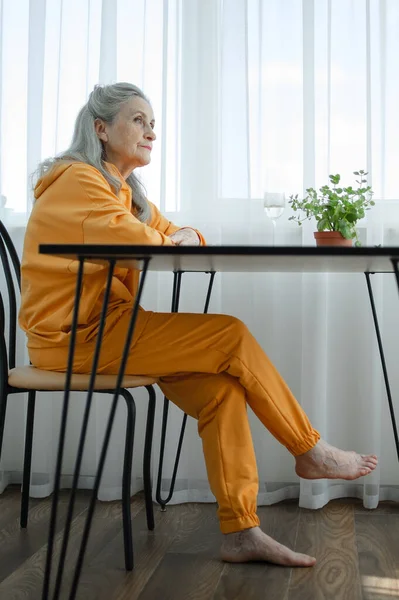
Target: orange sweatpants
pixel 212 367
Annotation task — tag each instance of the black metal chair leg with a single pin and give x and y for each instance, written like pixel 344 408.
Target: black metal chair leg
pixel 164 501
pixel 158 496
pixel 30 417
pixel 3 410
pixel 3 374
pixel 127 478
pixel 147 458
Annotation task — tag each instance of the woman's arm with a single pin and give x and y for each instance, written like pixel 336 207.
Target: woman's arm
pixel 108 220
pixel 184 235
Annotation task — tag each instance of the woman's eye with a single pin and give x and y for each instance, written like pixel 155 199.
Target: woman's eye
pixel 138 120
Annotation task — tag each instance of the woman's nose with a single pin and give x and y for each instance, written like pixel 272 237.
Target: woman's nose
pixel 150 135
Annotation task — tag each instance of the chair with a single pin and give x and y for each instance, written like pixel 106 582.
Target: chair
pixel 14 380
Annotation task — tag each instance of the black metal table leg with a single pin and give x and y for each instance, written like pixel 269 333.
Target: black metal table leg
pixel 82 438
pixel 177 276
pixel 382 357
pixel 64 416
pixel 395 263
pixel 106 440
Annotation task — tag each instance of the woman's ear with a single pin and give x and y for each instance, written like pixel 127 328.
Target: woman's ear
pixel 99 127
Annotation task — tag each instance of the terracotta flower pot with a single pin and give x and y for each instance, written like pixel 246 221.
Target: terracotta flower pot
pixel 331 238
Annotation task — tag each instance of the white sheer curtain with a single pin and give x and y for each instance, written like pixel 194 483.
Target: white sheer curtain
pixel 249 96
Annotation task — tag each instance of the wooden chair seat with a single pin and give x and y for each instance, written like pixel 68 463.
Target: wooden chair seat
pixel 31 378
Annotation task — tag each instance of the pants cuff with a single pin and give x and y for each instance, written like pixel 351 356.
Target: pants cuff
pixel 239 523
pixel 306 443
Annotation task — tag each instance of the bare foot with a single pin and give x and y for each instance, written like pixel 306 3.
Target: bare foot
pixel 325 461
pixel 254 545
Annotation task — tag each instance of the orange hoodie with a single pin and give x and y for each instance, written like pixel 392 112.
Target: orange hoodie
pixel 76 205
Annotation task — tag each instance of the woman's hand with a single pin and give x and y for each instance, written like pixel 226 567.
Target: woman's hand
pixel 185 237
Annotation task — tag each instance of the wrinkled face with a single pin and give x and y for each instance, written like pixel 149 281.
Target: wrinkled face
pixel 128 139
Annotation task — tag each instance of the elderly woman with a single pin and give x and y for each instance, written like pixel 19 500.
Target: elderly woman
pixel 208 365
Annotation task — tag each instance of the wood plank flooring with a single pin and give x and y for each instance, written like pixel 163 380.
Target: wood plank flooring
pixel 357 552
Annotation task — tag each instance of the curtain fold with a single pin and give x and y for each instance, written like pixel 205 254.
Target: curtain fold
pixel 250 96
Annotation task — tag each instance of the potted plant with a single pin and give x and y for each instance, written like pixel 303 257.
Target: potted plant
pixel 336 210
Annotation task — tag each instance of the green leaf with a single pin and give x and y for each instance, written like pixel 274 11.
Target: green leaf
pixel 345 229
pixel 322 225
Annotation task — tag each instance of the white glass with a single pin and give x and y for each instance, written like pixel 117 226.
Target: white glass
pixel 274 205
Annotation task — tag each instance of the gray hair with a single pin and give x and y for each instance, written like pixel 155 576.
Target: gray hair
pixel 104 103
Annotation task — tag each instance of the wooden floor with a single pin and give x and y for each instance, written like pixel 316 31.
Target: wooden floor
pixel 357 552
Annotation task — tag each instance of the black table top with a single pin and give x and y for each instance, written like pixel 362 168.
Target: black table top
pixel 305 259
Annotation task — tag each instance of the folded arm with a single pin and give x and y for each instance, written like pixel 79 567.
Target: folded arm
pixel 181 236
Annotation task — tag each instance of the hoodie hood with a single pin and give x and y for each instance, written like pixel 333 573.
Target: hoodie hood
pixel 63 165
pixel 50 176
